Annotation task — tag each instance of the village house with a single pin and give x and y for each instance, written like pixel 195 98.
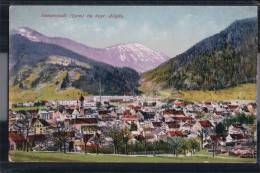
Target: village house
pixel 203 125
pixel 39 126
pixel 215 140
pixel 85 125
pixel 186 127
pixel 235 139
pixel 236 129
pixel 172 126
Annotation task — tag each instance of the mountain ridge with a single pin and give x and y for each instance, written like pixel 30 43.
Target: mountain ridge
pixel 112 55
pixel 233 50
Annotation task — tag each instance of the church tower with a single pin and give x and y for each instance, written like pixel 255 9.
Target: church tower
pixel 81 99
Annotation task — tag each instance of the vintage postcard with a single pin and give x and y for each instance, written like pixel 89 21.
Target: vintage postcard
pixel 142 84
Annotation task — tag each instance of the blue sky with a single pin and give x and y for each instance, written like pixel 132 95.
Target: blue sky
pixel 170 29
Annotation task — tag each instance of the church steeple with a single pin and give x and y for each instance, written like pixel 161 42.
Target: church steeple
pixel 81 99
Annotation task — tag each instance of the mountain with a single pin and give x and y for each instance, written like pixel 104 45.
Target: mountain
pixel 38 67
pixel 135 55
pixel 223 60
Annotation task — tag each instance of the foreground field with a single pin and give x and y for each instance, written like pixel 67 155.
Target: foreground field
pixel 241 92
pixel 19 156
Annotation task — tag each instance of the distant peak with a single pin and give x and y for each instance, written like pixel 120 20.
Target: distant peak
pixel 24 29
pixel 29 33
pixel 27 30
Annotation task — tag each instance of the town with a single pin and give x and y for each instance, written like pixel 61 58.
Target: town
pixel 134 125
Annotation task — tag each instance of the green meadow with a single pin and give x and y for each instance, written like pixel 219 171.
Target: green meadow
pixel 19 156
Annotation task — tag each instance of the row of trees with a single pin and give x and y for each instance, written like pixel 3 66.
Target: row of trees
pixel 239 119
pixel 180 145
pixel 173 145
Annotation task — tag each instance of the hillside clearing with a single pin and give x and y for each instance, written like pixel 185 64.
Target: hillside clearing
pixel 241 92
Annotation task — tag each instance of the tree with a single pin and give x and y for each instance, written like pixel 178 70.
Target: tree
pixel 97 141
pixel 25 126
pixel 174 143
pixel 62 135
pixel 126 137
pixel 214 147
pixel 184 146
pixel 86 138
pixel 202 133
pixel 194 145
pixel 142 140
pixel 116 135
pixel 98 105
pixel 239 119
pixel 156 146
pixel 133 126
pixel 220 129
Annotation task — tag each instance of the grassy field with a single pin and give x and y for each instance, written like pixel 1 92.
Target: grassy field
pixel 28 108
pixel 19 156
pixel 48 92
pixel 241 92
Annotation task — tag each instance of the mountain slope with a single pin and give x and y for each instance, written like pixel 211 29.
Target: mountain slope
pixel 223 60
pixel 35 66
pixel 135 56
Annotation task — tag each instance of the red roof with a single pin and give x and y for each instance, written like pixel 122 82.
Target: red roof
pixel 237 136
pixel 16 137
pixel 116 100
pixel 177 103
pixel 173 112
pixel 157 124
pixel 127 112
pixel 174 125
pixel 90 146
pixel 130 117
pixel 205 123
pixel 134 107
pixel 183 118
pixel 215 138
pixel 84 121
pixel 38 137
pixel 175 133
pixel 207 103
